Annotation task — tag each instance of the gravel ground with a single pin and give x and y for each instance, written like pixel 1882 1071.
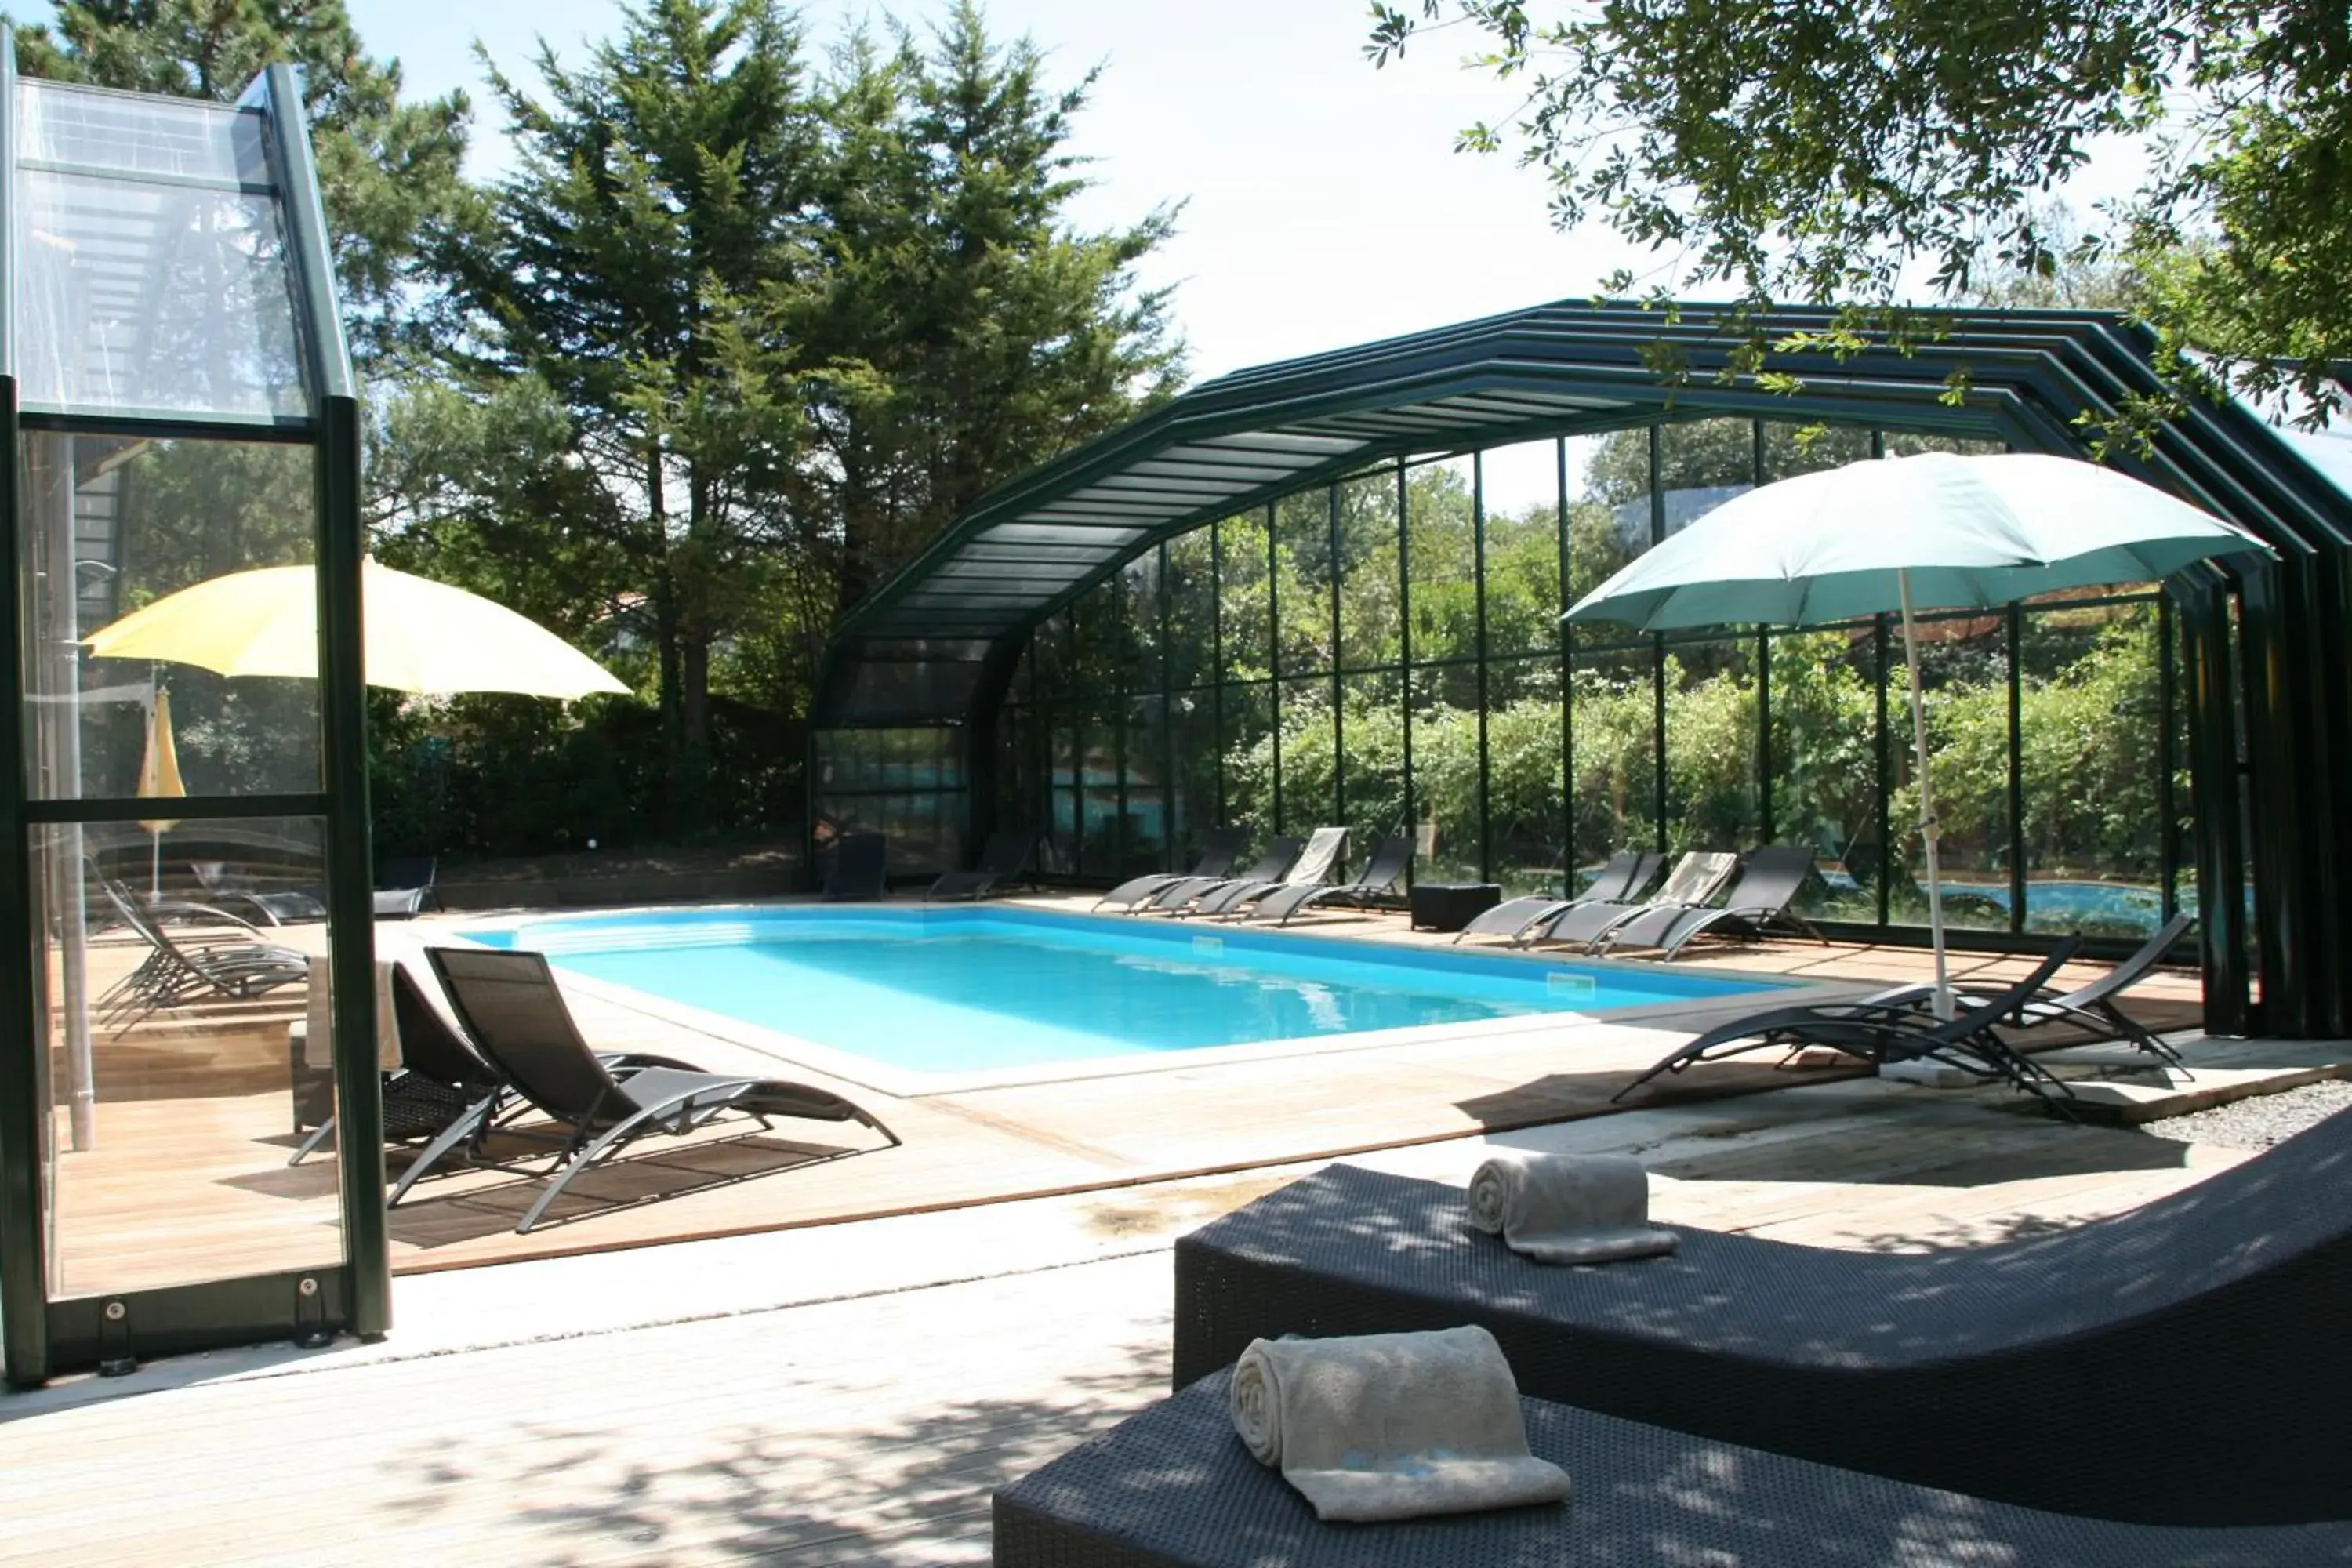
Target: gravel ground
pixel 2259 1120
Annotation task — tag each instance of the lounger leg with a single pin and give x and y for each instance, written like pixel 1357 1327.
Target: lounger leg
pixel 319 1135
pixel 470 1125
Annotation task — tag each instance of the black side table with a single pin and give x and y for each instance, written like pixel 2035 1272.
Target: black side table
pixel 1450 906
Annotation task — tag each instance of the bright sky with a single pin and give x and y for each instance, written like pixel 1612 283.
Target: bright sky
pixel 1324 204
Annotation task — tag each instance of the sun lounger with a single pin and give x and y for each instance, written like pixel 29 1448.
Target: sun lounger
pixel 1325 848
pixel 1281 853
pixel 509 1003
pixel 2092 1006
pixel 1172 1485
pixel 1219 847
pixel 1696 878
pixel 1622 879
pixel 1878 1034
pixel 1003 859
pixel 222 960
pixel 2175 1364
pixel 861 864
pixel 405 887
pixel 1381 873
pixel 1770 880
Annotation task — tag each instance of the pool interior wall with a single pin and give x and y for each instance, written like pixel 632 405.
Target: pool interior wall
pixel 975 989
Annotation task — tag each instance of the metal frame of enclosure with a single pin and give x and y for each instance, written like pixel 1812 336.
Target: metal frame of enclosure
pixel 179 403
pixel 939 690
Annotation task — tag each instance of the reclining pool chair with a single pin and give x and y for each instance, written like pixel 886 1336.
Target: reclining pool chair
pixel 1380 874
pixel 446 1096
pixel 1623 878
pixel 1005 857
pixel 222 958
pixel 1878 1034
pixel 2091 1006
pixel 1770 880
pixel 2177 1364
pixel 1326 847
pixel 1280 855
pixel 1170 1486
pixel 508 1003
pixel 1696 878
pixel 404 888
pixel 1219 847
pixel 861 864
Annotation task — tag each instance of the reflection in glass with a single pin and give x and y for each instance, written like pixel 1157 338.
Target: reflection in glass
pixel 113 523
pixel 168 1008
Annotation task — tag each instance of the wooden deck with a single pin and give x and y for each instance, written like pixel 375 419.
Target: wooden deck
pixel 193 1130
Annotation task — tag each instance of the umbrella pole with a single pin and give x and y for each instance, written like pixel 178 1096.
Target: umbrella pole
pixel 1928 828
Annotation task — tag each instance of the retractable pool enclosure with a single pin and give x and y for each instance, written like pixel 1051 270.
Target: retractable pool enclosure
pixel 179 404
pixel 1327 591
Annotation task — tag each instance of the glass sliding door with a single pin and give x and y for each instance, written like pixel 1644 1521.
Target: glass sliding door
pixel 185 925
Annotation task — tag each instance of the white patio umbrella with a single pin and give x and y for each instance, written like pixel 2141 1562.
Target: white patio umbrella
pixel 1933 532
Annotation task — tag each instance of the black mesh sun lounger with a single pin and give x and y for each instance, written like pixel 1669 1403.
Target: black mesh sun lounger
pixel 220 960
pixel 1005 857
pixel 2164 1365
pixel 1622 878
pixel 2093 1006
pixel 1770 880
pixel 1878 1032
pixel 1173 1485
pixel 509 1003
pixel 1696 878
pixel 1280 855
pixel 861 864
pixel 1326 847
pixel 1382 872
pixel 1219 847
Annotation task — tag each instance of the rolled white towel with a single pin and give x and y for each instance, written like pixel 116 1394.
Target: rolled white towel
pixel 1567 1208
pixel 1386 1426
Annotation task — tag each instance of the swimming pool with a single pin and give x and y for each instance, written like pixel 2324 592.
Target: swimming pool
pixel 948 990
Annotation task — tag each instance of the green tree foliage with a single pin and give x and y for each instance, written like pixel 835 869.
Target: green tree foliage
pixel 388 169
pixel 1817 154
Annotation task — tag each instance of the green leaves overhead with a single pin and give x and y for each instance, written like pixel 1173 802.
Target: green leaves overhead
pixel 1848 153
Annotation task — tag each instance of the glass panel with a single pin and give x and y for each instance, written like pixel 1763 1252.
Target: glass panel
pixel 1906 443
pixel 1139 581
pixel 1701 464
pixel 1249 758
pixel 2089 719
pixel 1192 610
pixel 1711 745
pixel 155 299
pixel 184 138
pixel 1964 666
pixel 1302 527
pixel 1614 749
pixel 1609 509
pixel 1824 766
pixel 140 521
pixel 1442 559
pixel 177 1083
pixel 1445 776
pixel 1523 605
pixel 1192 717
pixel 1372 742
pixel 1792 449
pixel 1061 831
pixel 1144 834
pixel 1308 801
pixel 1524 805
pixel 1242 601
pixel 1371 631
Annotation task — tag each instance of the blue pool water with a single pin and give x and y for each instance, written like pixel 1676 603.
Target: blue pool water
pixel 969 990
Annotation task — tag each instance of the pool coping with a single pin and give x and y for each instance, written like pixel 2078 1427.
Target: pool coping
pixel 904 1083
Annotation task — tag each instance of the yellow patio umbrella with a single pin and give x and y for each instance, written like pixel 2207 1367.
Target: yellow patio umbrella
pixel 159 776
pixel 421 636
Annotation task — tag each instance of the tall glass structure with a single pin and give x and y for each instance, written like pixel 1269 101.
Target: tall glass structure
pixel 1328 592
pixel 179 405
